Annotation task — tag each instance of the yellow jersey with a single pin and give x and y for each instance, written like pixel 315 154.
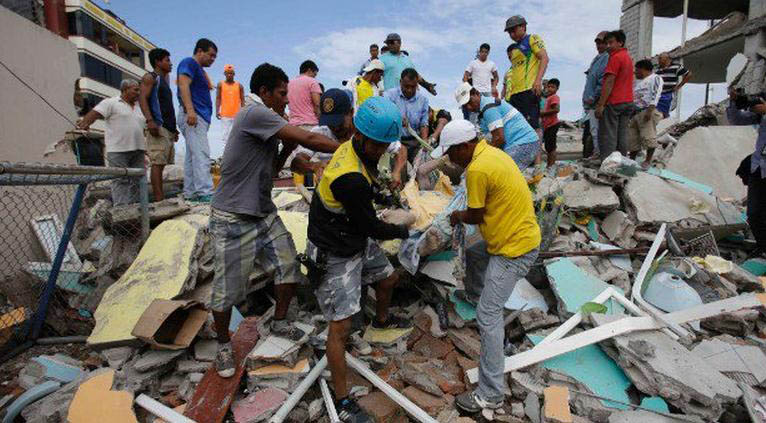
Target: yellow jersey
pixel 524 63
pixel 494 183
pixel 364 90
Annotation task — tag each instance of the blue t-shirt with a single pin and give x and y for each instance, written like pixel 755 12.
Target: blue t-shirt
pixel 516 129
pixel 394 65
pixel 200 91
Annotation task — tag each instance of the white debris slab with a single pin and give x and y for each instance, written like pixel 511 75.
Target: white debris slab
pixel 582 195
pixel 744 363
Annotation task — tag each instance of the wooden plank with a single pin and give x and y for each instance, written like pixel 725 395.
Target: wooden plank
pixel 214 394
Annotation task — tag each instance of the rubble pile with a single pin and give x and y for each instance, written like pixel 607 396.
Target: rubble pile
pixel 643 306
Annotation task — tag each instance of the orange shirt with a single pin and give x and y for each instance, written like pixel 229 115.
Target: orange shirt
pixel 230 99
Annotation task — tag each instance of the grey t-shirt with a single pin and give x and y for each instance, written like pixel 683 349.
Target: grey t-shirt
pixel 248 163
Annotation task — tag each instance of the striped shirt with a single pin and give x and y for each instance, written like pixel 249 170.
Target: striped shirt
pixel 516 130
pixel 671 76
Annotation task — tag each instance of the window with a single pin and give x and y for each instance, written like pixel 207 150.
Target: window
pixel 105 73
pixel 84 25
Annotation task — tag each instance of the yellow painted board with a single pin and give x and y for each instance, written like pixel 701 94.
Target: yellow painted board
pixel 297 223
pixel 161 270
pixel 96 402
pixel 384 336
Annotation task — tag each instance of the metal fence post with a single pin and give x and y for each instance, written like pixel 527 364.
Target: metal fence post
pixel 143 188
pixel 42 309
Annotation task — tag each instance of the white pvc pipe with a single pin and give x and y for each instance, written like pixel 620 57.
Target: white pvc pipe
pixel 575 320
pixel 162 411
pixel 328 402
pixel 392 393
pixel 299 392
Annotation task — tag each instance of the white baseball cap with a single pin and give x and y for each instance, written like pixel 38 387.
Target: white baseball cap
pixel 463 94
pixel 456 132
pixel 374 64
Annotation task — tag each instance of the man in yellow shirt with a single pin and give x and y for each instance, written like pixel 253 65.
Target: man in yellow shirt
pixel 529 61
pixel 366 86
pixel 499 202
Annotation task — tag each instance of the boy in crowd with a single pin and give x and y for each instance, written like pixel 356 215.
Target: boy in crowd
pixel 550 119
pixel 642 128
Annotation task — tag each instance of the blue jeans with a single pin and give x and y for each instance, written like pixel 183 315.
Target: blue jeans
pixel 493 278
pixel 197 178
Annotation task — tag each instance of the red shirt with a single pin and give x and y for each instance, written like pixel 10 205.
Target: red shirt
pixel 621 66
pixel 550 120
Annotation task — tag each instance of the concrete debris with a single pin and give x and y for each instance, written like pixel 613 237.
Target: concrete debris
pixel 258 406
pixel 743 363
pixel 582 195
pixel 661 366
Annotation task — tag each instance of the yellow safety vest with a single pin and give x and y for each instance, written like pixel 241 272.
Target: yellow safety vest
pixel 343 161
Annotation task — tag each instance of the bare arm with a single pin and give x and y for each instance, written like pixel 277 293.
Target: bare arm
pixel 147 84
pixel 315 97
pixel 241 96
pixel 495 80
pixel 684 80
pixel 218 101
pixel 184 82
pixel 554 109
pixel 498 137
pixel 439 127
pixel 399 165
pixel 542 55
pixel 469 216
pixel 431 88
pixel 424 132
pixel 311 140
pixel 88 119
pixel 302 164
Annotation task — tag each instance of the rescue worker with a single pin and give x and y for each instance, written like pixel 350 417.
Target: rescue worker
pixel 342 233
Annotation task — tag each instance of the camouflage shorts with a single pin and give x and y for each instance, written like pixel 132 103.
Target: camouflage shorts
pixel 340 291
pixel 240 243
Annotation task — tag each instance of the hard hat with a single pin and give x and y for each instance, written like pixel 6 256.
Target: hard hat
pixel 378 118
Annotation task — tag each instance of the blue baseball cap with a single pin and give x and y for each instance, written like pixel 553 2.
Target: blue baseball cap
pixel 379 118
pixel 334 105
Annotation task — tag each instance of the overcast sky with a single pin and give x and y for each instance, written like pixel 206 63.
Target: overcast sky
pixel 441 36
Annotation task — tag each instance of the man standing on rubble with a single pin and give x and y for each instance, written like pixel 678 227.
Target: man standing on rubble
pixel 194 119
pixel 674 76
pixel 642 128
pixel 483 73
pixel 124 138
pixel 304 92
pixel 500 202
pixel 244 223
pixel 343 227
pixel 753 171
pixel 395 61
pixel 156 102
pixel 529 61
pixel 593 80
pixel 229 98
pixel 615 105
pixel 509 130
pixel 413 107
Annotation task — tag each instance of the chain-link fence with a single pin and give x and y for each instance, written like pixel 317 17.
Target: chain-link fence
pixel 63 242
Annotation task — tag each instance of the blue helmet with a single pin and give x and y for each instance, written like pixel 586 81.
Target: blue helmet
pixel 378 118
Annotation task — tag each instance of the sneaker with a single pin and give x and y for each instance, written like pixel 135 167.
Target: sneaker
pixel 224 361
pixel 359 344
pixel 470 402
pixel 393 322
pixel 283 329
pixel 349 412
pixel 462 295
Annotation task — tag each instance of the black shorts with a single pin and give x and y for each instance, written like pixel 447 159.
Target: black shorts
pixel 550 136
pixel 528 104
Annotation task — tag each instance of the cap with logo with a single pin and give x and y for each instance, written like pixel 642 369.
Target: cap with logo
pixel 379 118
pixel 374 64
pixel 463 94
pixel 514 21
pixel 393 37
pixel 334 105
pixel 457 132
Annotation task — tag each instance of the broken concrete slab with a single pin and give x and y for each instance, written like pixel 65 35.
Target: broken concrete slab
pixel 57 368
pixel 214 394
pixel 591 367
pixel 466 341
pixel 277 370
pixel 431 404
pixel 532 407
pixel 154 359
pixel 192 366
pixel 382 409
pixel 165 267
pixel 534 319
pixel 120 217
pixel 96 402
pixel 700 155
pixel 641 416
pixel 526 296
pixel 206 349
pixel 652 200
pixel 117 356
pixel 556 407
pixel 619 229
pixel 582 195
pixel 574 287
pixel 273 349
pixel 743 363
pixel 258 406
pixel 661 366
